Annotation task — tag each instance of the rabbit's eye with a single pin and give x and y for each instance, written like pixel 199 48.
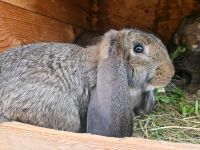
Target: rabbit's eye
pixel 138 48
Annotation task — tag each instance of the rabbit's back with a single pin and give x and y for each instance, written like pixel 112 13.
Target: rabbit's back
pixel 46 85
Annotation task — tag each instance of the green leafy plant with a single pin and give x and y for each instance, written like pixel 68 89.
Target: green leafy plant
pixel 170 96
pixel 178 96
pixel 197 106
pixel 177 52
pixel 186 109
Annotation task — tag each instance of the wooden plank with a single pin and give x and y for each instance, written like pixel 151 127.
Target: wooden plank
pixel 18 136
pixel 158 16
pixel 63 10
pixel 127 13
pixel 19 27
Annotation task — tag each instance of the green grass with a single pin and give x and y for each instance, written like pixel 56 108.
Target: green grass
pixel 176 116
pixel 177 52
pixel 187 105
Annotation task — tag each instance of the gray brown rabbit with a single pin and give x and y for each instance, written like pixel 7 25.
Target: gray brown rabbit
pixel 51 84
pixel 188 64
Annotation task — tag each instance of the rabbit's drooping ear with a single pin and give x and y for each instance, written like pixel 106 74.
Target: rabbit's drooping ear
pixel 110 108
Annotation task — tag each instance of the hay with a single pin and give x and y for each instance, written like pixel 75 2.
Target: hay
pixel 168 122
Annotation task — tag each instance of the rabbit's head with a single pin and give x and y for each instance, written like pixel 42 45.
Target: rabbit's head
pixel 188 33
pixel 146 58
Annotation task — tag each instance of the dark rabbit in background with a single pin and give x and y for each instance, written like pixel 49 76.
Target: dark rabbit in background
pixel 68 87
pixel 188 64
pixel 88 38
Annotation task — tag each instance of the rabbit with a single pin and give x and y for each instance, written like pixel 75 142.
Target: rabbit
pixel 146 99
pixel 59 85
pixel 88 38
pixel 188 64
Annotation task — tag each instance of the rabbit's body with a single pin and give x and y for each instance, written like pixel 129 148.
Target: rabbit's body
pixel 50 84
pixel 188 64
pixel 47 85
pixel 188 67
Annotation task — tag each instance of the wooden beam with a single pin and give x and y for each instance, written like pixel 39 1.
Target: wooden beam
pixel 66 11
pixel 19 27
pixel 18 136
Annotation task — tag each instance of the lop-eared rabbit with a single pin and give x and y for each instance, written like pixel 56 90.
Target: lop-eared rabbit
pixel 68 87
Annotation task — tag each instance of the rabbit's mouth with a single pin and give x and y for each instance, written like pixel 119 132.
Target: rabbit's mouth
pixel 155 83
pixel 151 87
pixel 162 77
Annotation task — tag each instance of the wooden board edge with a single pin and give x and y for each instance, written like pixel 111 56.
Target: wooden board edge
pixel 47 138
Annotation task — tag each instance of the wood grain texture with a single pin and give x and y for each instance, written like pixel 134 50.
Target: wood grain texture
pixel 158 16
pixel 19 27
pixel 66 11
pixel 84 4
pixel 18 136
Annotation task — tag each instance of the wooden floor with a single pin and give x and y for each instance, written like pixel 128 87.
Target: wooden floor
pixel 18 136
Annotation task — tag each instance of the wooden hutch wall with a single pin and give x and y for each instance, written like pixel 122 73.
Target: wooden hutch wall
pixel 158 16
pixel 30 21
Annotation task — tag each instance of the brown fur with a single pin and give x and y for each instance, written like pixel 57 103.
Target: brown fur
pixel 188 64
